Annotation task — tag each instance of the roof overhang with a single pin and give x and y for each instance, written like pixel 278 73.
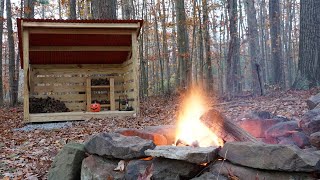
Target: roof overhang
pixel 78 41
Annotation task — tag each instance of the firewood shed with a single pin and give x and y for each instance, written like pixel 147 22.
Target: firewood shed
pixel 62 58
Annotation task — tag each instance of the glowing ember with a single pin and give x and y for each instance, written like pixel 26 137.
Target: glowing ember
pixel 190 128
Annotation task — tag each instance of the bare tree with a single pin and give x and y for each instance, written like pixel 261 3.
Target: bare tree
pixel 72 7
pixel 1 33
pixel 104 9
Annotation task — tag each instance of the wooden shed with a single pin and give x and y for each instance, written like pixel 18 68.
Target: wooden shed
pixel 61 59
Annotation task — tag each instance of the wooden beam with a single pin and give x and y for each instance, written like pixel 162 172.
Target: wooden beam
pixel 80 48
pixel 112 99
pixel 136 102
pixel 71 116
pixel 79 31
pixel 25 45
pixel 88 93
pixel 80 25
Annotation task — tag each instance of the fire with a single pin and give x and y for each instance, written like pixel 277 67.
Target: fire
pixel 190 128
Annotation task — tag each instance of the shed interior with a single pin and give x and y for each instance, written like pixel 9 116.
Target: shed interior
pixel 63 58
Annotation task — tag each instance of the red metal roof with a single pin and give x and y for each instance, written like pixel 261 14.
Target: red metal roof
pixel 77 57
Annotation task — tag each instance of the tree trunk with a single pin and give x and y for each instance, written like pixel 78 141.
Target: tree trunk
pixel 1 33
pixel 276 47
pixel 13 91
pixel 254 48
pixel 165 45
pixel 104 9
pixel 309 46
pixel 209 76
pixel 72 7
pixel 29 9
pixel 233 52
pixel 183 45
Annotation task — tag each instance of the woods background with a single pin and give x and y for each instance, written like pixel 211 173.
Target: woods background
pixel 230 47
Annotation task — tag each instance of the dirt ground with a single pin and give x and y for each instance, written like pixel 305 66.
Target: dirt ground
pixel 28 155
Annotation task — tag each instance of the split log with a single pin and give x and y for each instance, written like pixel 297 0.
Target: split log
pixel 313 101
pixel 225 128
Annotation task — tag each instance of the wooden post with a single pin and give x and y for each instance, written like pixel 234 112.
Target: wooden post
pixel 112 99
pixel 88 93
pixel 136 102
pixel 25 45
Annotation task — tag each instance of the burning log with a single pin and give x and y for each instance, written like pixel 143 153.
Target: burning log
pixel 225 128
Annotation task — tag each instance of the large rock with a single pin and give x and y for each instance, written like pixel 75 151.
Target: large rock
pixel 169 131
pixel 310 121
pixel 257 127
pixel 282 129
pixel 270 157
pixel 158 139
pixel 99 168
pixel 114 145
pixel 258 115
pixel 300 139
pixel 211 175
pixel 163 169
pixel 191 154
pixel 313 101
pixel 315 139
pixel 240 172
pixel 67 164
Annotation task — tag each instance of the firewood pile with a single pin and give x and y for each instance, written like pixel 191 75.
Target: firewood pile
pixel 100 81
pixel 46 105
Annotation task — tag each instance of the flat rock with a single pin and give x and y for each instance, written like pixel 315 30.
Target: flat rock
pixel 240 172
pixel 282 129
pixel 158 139
pixel 313 101
pixel 257 127
pixel 310 121
pixel 114 145
pixel 99 168
pixel 270 157
pixel 211 175
pixel 300 139
pixel 190 154
pixel 315 139
pixel 163 169
pixel 67 164
pixel 169 131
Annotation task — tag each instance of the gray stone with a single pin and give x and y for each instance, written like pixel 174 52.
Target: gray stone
pixel 169 131
pixel 67 164
pixel 270 157
pixel 99 168
pixel 301 139
pixel 163 169
pixel 225 168
pixel 281 129
pixel 310 121
pixel 258 115
pixel 191 154
pixel 211 175
pixel 315 139
pixel 114 145
pixel 257 127
pixel 313 101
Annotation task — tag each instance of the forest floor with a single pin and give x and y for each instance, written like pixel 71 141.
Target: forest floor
pixel 28 155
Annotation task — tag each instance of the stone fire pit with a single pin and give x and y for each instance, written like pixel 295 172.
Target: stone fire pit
pixel 135 155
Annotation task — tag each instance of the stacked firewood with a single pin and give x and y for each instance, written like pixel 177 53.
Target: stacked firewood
pixel 46 105
pixel 100 81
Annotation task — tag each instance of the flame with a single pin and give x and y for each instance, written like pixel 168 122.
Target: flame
pixel 190 128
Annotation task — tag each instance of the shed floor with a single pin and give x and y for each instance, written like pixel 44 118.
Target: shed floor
pixel 75 116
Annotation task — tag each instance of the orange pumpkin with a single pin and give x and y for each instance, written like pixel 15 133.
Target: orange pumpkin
pixel 95 107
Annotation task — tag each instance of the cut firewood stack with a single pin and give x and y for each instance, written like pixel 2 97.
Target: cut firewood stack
pixel 46 105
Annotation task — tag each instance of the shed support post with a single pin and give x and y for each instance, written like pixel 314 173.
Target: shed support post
pixel 135 64
pixel 26 115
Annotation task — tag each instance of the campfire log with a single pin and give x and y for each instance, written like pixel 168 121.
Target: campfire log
pixel 225 128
